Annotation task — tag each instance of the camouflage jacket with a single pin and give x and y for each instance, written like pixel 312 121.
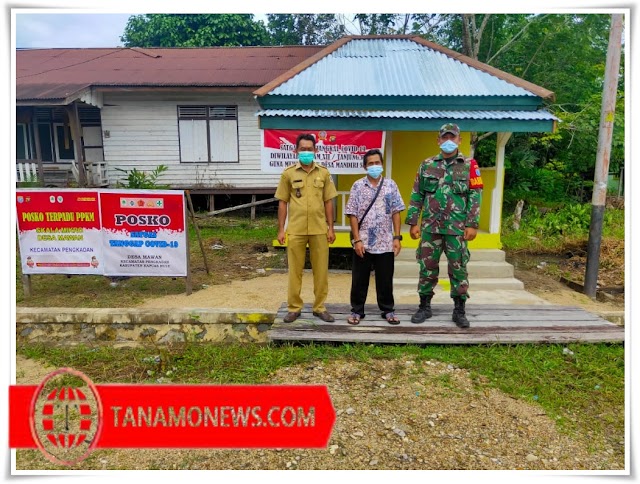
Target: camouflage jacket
pixel 448 194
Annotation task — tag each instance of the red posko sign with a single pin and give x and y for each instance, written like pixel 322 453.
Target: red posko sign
pixel 67 422
pixel 144 232
pixel 339 151
pixel 106 232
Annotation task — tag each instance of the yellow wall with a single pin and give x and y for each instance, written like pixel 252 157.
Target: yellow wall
pixel 408 150
pixel 489 181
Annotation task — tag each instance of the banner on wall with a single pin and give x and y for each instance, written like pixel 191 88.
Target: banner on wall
pixel 104 232
pixel 339 151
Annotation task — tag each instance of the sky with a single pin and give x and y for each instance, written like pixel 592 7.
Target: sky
pixel 49 30
pixel 69 30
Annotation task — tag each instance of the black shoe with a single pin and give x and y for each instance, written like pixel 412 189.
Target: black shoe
pixel 459 317
pixel 424 310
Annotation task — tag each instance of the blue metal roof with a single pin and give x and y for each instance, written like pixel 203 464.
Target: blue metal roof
pixel 394 67
pixel 456 115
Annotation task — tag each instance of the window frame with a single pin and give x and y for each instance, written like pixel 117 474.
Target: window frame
pixel 208 118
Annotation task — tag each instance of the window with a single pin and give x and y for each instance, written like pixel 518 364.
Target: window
pixel 208 134
pixel 23 142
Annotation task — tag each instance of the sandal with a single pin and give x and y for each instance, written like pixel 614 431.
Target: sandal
pixel 391 318
pixel 354 318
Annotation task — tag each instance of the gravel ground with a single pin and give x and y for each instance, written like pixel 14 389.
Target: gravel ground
pixel 391 414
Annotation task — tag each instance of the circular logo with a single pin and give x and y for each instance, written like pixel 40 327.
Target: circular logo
pixel 60 199
pixel 66 416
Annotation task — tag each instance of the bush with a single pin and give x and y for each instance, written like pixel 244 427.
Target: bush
pixel 544 228
pixel 142 180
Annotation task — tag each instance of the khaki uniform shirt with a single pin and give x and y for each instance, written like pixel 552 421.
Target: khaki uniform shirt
pixel 306 212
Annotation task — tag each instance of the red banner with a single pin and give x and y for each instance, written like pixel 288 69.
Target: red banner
pixel 104 232
pixel 144 232
pixel 59 231
pixel 339 151
pixel 188 416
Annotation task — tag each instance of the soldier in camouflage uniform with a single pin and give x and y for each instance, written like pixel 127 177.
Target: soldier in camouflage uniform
pixel 447 191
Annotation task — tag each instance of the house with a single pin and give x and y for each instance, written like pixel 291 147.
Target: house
pixel 191 109
pixel 200 111
pixel 408 87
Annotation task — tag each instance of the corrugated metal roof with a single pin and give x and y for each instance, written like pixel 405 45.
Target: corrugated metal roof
pixel 393 67
pixel 58 73
pixel 475 115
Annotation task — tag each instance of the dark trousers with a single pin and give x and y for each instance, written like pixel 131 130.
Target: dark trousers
pixel 383 265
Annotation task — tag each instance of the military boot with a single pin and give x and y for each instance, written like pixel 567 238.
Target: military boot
pixel 458 316
pixel 424 310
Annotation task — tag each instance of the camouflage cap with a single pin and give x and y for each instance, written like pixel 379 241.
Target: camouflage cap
pixel 450 128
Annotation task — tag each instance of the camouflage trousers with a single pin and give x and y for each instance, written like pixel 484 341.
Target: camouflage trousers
pixel 428 256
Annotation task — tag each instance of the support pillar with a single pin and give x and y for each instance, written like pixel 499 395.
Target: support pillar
pixel 497 194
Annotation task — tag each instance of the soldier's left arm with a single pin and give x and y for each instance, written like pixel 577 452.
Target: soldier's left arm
pixel 474 197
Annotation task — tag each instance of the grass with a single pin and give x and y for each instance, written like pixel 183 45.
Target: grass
pixel 536 237
pixel 584 392
pixel 239 236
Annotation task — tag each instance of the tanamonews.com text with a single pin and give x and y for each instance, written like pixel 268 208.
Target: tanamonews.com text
pixel 205 416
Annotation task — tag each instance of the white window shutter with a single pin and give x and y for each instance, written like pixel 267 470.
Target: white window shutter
pixel 193 140
pixel 224 141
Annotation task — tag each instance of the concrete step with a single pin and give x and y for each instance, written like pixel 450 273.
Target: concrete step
pixel 488 255
pixel 409 285
pixel 485 269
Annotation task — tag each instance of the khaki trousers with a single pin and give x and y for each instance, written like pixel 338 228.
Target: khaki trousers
pixel 319 255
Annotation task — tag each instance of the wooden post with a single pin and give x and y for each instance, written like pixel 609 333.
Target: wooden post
pixel 244 205
pixel 253 207
pixel 607 112
pixel 212 203
pixel 76 135
pixel 26 285
pixel 195 226
pixel 188 282
pixel 36 137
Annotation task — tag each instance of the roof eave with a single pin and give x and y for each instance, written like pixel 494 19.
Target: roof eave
pixel 402 124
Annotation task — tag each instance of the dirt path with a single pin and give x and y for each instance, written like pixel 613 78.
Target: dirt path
pixel 267 293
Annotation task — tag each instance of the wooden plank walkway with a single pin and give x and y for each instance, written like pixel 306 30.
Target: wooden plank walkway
pixel 489 324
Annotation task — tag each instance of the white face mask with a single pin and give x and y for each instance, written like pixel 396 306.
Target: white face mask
pixel 448 146
pixel 374 171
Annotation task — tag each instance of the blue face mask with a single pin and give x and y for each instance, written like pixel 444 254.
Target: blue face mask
pixel 306 157
pixel 448 146
pixel 374 171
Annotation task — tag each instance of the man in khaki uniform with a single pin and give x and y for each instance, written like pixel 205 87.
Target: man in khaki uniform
pixel 306 192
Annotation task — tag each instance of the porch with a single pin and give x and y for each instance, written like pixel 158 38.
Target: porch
pixel 490 324
pixel 60 146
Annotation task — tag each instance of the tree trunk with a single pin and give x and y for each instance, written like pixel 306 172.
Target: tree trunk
pixel 518 215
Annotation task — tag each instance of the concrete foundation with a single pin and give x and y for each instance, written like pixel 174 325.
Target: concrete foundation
pixel 72 325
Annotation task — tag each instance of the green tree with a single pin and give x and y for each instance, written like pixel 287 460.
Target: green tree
pixel 565 54
pixel 203 30
pixel 304 29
